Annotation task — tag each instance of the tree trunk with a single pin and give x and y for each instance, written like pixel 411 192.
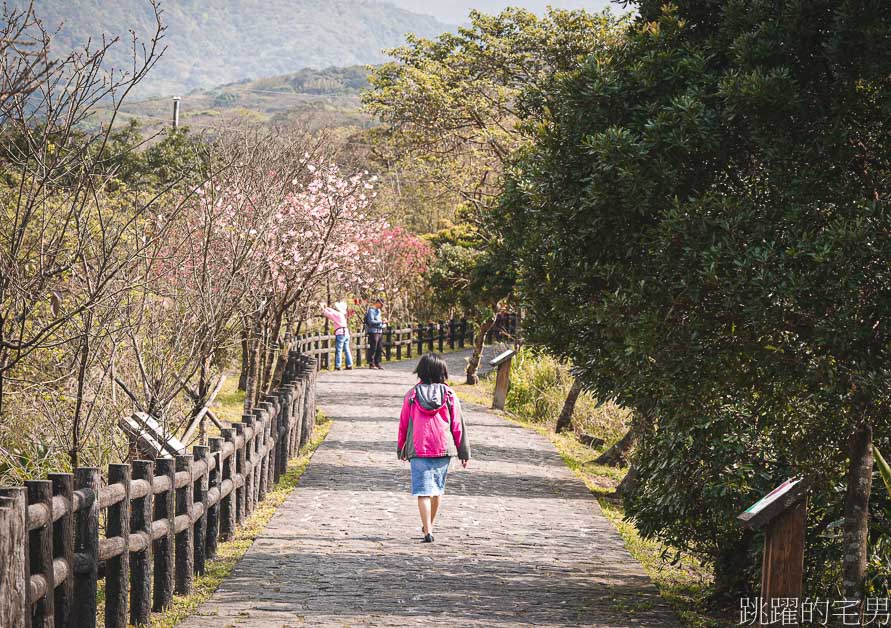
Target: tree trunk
pixel 250 388
pixel 617 455
pixel 474 363
pixel 84 357
pixel 2 374
pixel 262 342
pixel 856 529
pixel 564 421
pixel 274 347
pixel 203 382
pixel 281 363
pixel 245 360
pixel 629 482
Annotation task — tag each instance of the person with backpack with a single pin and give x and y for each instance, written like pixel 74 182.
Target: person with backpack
pixel 338 316
pixel 431 433
pixel 374 327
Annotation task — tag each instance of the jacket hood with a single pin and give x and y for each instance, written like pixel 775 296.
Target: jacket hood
pixel 430 397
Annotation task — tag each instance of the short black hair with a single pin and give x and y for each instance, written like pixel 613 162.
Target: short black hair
pixel 432 369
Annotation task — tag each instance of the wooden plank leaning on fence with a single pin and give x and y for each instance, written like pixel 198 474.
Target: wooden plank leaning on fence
pixel 163 519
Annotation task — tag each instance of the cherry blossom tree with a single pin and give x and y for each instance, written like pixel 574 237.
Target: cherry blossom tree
pixel 394 263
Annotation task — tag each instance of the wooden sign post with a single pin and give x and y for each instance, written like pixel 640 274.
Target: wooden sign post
pixel 502 380
pixel 783 514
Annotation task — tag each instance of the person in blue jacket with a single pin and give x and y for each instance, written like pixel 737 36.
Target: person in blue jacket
pixel 374 325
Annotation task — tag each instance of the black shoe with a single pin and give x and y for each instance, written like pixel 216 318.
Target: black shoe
pixel 428 538
pixel 349 368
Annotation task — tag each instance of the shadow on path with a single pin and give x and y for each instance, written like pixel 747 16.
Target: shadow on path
pixel 519 539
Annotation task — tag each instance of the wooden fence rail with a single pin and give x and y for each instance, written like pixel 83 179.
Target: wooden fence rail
pixel 402 340
pixel 163 518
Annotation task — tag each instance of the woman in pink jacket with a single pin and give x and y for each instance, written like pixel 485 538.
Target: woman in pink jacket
pixel 338 316
pixel 431 432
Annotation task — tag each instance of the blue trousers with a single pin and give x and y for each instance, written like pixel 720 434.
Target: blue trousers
pixel 341 346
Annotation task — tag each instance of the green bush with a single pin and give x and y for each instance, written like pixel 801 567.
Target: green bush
pixel 539 385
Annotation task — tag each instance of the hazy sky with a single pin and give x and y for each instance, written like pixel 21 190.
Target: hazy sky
pixel 455 11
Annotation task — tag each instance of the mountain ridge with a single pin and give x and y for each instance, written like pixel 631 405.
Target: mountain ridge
pixel 215 42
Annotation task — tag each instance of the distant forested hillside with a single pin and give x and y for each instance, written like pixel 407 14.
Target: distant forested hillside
pixel 213 42
pixel 320 98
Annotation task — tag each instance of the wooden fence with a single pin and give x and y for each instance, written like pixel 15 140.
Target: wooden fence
pixel 403 340
pixel 162 518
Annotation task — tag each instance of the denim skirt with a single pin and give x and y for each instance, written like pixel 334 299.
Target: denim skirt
pixel 428 475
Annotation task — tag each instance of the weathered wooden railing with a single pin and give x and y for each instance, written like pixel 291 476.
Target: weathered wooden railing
pixel 398 341
pixel 163 518
pixel 401 340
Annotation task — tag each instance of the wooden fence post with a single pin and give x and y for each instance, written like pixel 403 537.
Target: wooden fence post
pixel 451 333
pixel 40 546
pixel 249 494
pixel 256 458
pixel 86 548
pixel 185 547
pixel 63 546
pixel 388 344
pixel 240 491
pixel 306 410
pixel 117 569
pixel 199 529
pixel 272 456
pixel 284 413
pixel 213 512
pixel 263 435
pixel 227 503
pixel 294 422
pixel 297 412
pixel 162 551
pixel 15 609
pixel 141 515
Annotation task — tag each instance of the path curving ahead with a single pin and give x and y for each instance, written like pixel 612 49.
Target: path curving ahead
pixel 519 541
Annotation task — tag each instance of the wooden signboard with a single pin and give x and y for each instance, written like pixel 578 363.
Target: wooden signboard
pixel 502 381
pixel 782 514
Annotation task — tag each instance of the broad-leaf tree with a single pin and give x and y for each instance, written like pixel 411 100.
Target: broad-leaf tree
pixel 702 227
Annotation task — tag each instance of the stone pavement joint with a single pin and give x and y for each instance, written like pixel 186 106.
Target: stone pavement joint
pixel 519 540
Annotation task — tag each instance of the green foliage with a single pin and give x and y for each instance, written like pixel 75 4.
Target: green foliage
pixel 538 388
pixel 884 468
pixel 466 273
pixel 155 166
pixel 701 225
pixel 455 102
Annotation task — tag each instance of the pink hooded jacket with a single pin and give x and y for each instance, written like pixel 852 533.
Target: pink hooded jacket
pixel 431 424
pixel 341 326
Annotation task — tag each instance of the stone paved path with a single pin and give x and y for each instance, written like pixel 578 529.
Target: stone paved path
pixel 519 541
